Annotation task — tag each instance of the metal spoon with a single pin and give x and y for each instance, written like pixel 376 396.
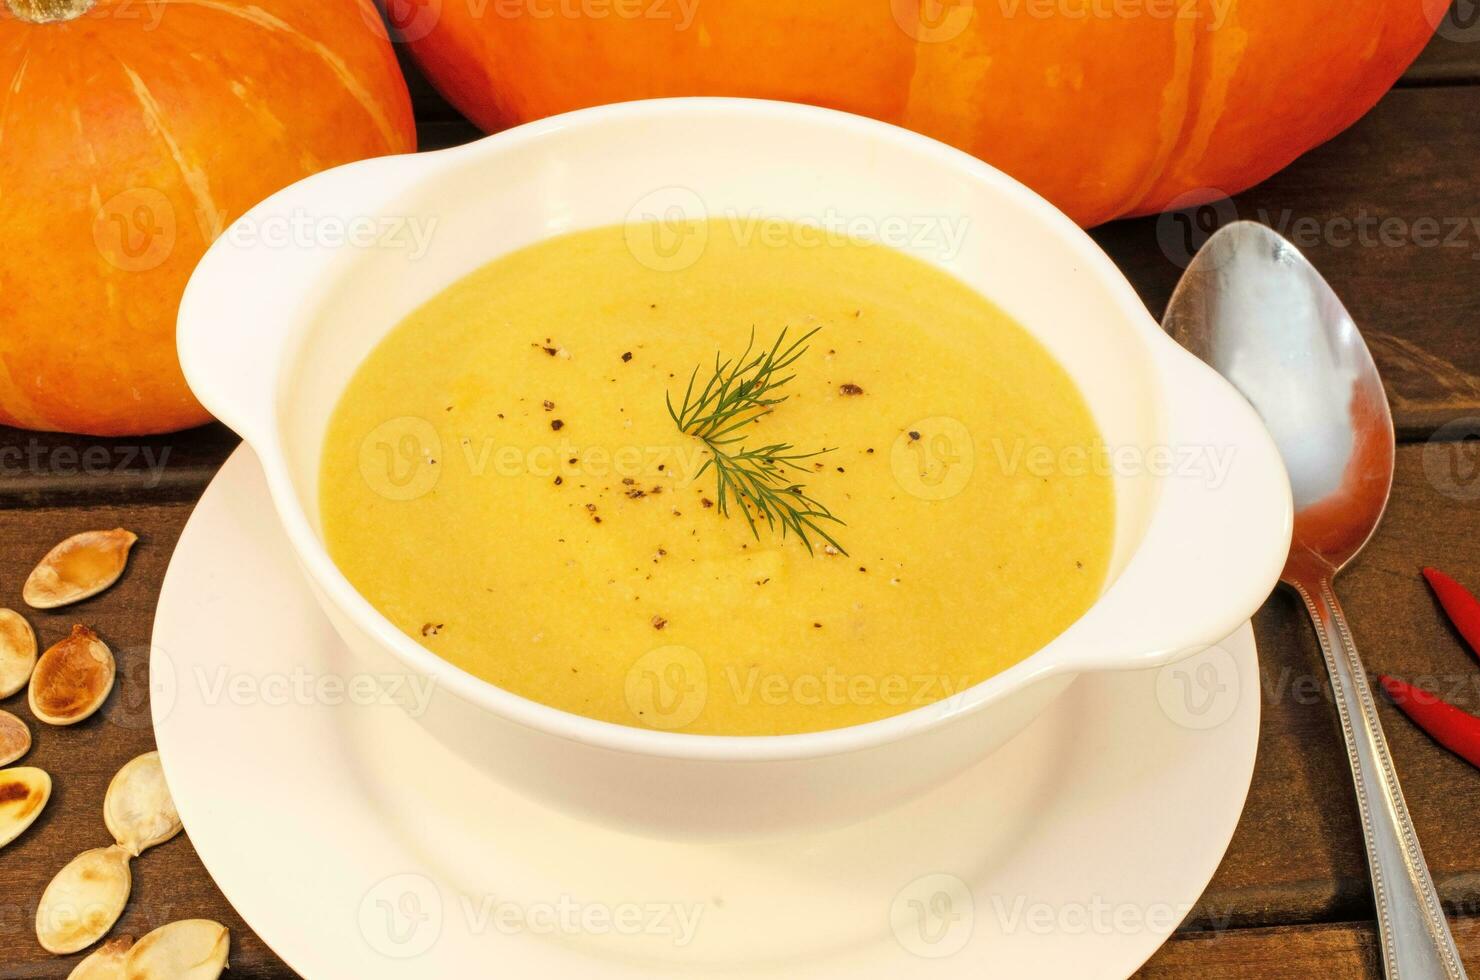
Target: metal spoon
pixel 1251 306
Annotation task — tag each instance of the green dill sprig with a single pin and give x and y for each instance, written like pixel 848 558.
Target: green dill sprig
pixel 740 392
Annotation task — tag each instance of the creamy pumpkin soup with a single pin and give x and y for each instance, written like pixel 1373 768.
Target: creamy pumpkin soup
pixel 749 484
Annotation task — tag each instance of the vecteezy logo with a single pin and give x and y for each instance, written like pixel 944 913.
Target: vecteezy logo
pixel 1455 21
pixel 1451 459
pixel 667 230
pixel 401 916
pixel 933 916
pixel 408 20
pixel 401 459
pixel 667 688
pixel 144 695
pixel 1189 220
pixel 135 230
pixel 933 459
pixel 1200 692
pixel 933 21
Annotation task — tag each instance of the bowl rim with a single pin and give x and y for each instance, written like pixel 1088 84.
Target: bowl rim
pixel 517 709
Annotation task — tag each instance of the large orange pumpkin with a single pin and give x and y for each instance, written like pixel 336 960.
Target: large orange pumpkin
pixel 131 133
pixel 1107 107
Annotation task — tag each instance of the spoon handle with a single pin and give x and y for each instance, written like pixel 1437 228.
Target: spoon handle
pixel 1416 944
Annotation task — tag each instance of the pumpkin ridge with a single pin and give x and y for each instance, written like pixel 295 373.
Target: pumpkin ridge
pixel 910 82
pixel 121 201
pixel 195 179
pixel 252 102
pixel 19 409
pixel 85 141
pixel 15 84
pixel 272 23
pixel 1176 108
pixel 1219 66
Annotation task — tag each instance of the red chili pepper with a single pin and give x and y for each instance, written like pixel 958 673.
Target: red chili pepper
pixel 1456 730
pixel 1462 607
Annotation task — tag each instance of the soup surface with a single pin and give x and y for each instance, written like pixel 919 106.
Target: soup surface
pixel 503 479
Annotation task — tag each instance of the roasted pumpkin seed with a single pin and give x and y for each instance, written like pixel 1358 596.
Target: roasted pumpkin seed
pixel 84 900
pixel 105 962
pixel 17 652
pixel 191 949
pixel 24 791
pixel 138 809
pixel 81 566
pixel 72 679
pixel 15 738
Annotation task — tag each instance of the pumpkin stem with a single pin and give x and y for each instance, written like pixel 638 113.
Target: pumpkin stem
pixel 49 11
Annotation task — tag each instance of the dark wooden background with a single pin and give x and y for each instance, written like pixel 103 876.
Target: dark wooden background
pixel 1292 897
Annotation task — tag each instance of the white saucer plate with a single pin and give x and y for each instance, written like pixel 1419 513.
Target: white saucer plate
pixel 358 847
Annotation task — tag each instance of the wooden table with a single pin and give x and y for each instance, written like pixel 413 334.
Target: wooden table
pixel 1292 897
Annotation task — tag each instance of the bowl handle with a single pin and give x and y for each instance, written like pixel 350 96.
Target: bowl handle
pixel 244 305
pixel 1218 536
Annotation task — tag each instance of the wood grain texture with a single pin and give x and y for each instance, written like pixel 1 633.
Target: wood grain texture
pixel 52 469
pixel 1296 858
pixel 1339 951
pixel 169 881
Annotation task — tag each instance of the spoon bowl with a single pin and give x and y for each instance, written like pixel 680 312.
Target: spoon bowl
pixel 1257 311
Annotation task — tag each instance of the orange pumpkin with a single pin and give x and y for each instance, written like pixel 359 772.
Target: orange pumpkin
pixel 132 132
pixel 1106 107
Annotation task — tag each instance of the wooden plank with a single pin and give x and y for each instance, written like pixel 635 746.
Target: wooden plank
pixel 169 881
pixel 1348 951
pixel 52 469
pixel 1296 857
pixel 1389 212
